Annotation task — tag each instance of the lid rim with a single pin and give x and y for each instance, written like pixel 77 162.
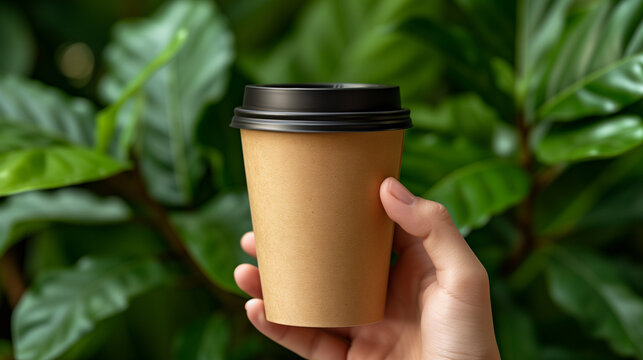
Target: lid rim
pixel 321 107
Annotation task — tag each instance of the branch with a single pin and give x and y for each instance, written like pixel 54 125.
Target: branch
pixel 130 186
pixel 11 278
pixel 525 214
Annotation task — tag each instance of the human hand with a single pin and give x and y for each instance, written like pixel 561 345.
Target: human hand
pixel 438 304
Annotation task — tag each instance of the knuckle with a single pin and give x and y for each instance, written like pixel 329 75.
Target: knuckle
pixel 436 210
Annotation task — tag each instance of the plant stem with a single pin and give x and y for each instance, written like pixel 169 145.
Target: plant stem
pixel 527 241
pixel 11 278
pixel 130 185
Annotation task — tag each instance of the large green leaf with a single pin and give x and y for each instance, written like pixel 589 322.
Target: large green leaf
pixel 16 42
pixel 107 117
pixel 598 139
pixel 475 192
pixel 334 41
pixel 623 204
pixel 563 204
pixel 51 167
pixel 176 94
pixel 591 290
pixel 61 306
pixel 212 237
pixel 600 93
pixel 429 157
pixel 46 110
pixel 594 68
pixel 45 139
pixel 205 340
pixel 23 213
pixel 540 23
pixel 466 115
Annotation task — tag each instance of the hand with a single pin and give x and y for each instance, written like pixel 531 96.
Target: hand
pixel 438 304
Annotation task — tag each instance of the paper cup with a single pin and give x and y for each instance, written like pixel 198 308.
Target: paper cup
pixel 315 156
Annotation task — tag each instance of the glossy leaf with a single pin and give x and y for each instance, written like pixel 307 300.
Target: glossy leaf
pixel 474 193
pixel 205 340
pixel 63 305
pixel 52 167
pixel 540 24
pixel 16 42
pixel 600 93
pixel 602 138
pixel 106 118
pixel 589 289
pixel 46 110
pixel 176 94
pixel 595 68
pixel 212 237
pixel 334 42
pixel 23 213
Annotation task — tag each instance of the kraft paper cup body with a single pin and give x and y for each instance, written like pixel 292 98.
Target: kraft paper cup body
pixel 323 238
pixel 315 156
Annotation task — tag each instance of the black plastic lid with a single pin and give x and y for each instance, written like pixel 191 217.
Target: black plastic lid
pixel 321 108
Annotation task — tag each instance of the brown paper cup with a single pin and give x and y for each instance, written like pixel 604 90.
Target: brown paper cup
pixel 323 238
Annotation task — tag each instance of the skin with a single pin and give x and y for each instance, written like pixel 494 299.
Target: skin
pixel 438 303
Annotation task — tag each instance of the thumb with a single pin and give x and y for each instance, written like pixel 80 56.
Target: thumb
pixel 456 265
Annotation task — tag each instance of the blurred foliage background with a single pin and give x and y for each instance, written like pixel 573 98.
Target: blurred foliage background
pixel 123 192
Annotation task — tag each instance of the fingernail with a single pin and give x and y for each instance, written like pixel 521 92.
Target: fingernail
pixel 400 192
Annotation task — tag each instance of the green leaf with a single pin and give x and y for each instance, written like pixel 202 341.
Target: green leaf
pixel 333 41
pixel 45 139
pixel 465 60
pixel 598 139
pixel 16 42
pixel 429 157
pixel 474 193
pixel 207 339
pixel 52 167
pixel 563 204
pixel 106 118
pixel 623 204
pixel 212 237
pixel 23 213
pixel 595 68
pixel 600 93
pixel 588 288
pixel 464 115
pixel 540 24
pixel 61 306
pixel 46 110
pixel 176 94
